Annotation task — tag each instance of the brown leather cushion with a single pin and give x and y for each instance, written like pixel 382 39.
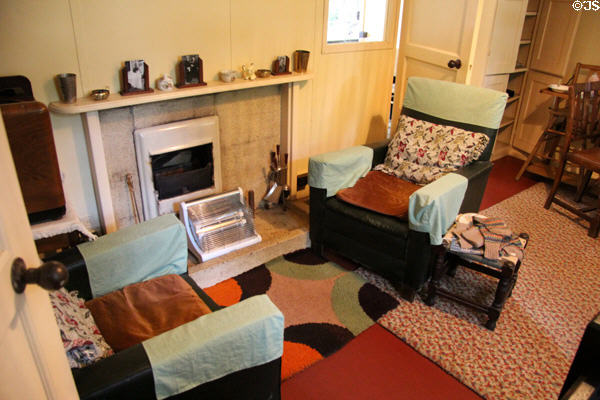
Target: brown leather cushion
pixel 143 310
pixel 380 192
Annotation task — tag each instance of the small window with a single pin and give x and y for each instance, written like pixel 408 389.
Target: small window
pixel 358 24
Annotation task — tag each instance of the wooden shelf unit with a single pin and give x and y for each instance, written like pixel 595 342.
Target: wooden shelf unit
pixel 512 78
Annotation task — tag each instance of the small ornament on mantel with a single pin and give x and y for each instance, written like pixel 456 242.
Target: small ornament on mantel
pixel 165 83
pixel 248 72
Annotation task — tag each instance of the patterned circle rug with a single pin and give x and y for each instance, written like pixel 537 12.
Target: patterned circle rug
pixel 556 295
pixel 324 305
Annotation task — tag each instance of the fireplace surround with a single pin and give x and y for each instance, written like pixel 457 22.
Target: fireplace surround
pixel 248 127
pixel 253 115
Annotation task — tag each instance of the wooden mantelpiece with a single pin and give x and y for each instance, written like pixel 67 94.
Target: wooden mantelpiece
pixel 115 100
pixel 88 108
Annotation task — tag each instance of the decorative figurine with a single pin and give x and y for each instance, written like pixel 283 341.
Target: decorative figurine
pixel 248 72
pixel 165 83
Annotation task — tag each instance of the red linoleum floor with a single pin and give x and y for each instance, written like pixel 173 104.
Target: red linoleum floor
pixel 375 365
pixel 501 183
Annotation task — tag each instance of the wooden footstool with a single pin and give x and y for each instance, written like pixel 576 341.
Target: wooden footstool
pixel 504 270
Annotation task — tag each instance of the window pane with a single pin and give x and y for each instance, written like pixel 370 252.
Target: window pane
pixel 375 20
pixel 349 18
pixel 345 20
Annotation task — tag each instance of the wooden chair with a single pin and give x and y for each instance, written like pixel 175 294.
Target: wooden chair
pixel 543 158
pixel 582 124
pixel 583 72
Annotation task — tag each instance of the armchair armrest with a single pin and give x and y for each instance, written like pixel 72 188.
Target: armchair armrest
pixel 477 173
pixel 475 169
pixel 339 169
pixel 126 374
pixel 433 208
pixel 245 335
pixel 136 253
pixel 130 373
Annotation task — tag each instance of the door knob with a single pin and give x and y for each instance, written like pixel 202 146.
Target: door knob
pixel 51 275
pixel 455 63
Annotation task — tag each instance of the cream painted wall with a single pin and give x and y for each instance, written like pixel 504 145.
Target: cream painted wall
pixel 585 45
pixel 158 32
pixel 38 42
pixel 350 95
pixel 347 102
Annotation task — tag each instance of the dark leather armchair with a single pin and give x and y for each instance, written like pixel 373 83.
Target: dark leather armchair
pixel 128 374
pixel 386 244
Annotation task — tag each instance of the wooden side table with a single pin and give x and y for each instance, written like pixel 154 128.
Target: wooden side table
pixel 504 270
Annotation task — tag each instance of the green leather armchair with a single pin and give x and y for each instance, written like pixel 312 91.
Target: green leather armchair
pixel 386 244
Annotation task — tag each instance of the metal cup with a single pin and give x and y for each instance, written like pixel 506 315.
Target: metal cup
pixel 67 87
pixel 301 60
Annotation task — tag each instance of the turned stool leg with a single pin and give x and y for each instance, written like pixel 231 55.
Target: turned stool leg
pixel 504 288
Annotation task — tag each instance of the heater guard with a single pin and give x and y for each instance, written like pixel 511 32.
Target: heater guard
pixel 218 224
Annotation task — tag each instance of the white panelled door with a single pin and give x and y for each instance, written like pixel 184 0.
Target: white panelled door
pixel 436 41
pixel 33 364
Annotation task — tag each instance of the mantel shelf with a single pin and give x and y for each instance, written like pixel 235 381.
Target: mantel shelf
pixel 115 100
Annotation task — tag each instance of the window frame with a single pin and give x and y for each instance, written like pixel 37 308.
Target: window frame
pixel 389 33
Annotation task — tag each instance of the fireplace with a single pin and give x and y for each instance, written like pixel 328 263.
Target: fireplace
pixel 249 122
pixel 182 171
pixel 177 162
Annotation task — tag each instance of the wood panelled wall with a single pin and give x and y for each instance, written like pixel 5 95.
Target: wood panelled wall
pixel 347 103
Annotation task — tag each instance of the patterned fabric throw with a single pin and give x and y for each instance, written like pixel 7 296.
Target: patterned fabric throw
pixel 421 151
pixel 476 234
pixel 81 338
pixel 495 234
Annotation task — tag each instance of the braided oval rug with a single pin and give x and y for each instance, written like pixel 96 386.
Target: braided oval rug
pixel 556 295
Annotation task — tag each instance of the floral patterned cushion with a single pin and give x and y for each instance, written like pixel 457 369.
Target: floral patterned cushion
pixel 81 338
pixel 412 172
pixel 422 152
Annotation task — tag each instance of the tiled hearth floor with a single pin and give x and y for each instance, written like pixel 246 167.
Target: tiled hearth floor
pixel 281 231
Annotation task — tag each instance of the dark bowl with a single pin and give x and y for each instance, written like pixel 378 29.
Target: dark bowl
pixel 263 73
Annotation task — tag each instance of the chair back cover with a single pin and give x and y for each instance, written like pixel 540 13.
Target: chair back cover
pixel 136 253
pixel 467 107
